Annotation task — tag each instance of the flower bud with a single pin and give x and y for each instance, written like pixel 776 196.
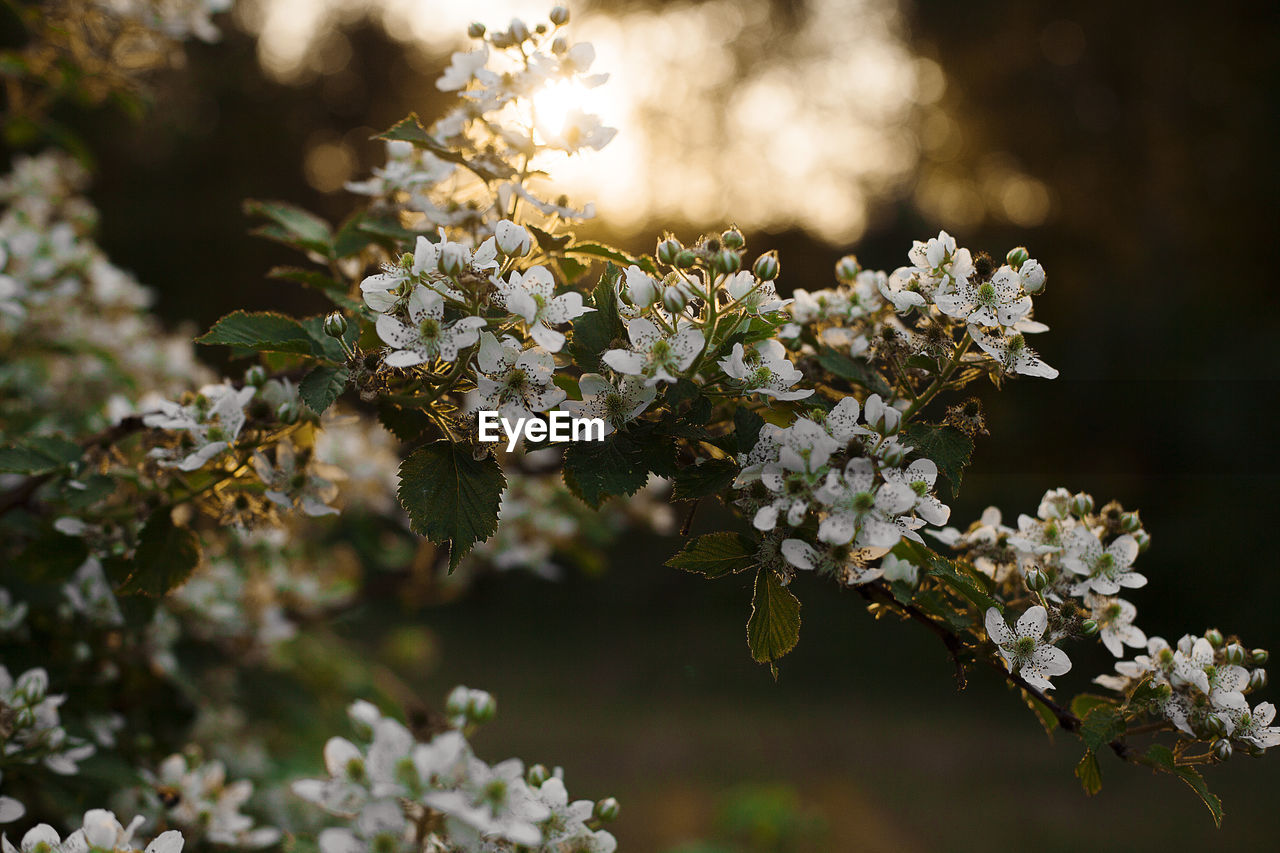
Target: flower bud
pixel 686 259
pixel 1235 654
pixel 1036 579
pixel 513 240
pixel 501 40
pixel 537 774
pixel 255 376
pixel 894 455
pixel 519 30
pixel 335 325
pixel 1130 522
pixel 668 249
pixel 766 267
pixel 1017 257
pixel 733 239
pixel 559 46
pixel 453 258
pixel 1214 636
pixel 32 685
pixel 1088 627
pixel 673 299
pixel 1222 749
pixel 456 704
pixel 1081 504
pixel 1215 725
pixel 288 412
pixel 847 269
pixel 481 707
pixel 608 809
pixel 727 261
pixel 1143 538
pixel 1260 656
pixel 1258 679
pixel 476 30
pixel 559 16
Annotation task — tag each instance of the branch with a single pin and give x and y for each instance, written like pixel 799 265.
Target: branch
pixel 878 592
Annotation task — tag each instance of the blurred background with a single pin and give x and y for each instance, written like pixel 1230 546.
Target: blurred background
pixel 1129 146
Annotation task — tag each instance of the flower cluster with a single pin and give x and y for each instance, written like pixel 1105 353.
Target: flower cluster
pixel 403 793
pixel 99 830
pixel 32 730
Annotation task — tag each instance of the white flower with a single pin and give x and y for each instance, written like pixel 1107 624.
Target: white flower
pixel 617 405
pixel 513 381
pixel 1012 353
pixel 764 369
pixel 1105 571
pixel 998 302
pixel 380 826
pixel 213 422
pixel 430 337
pixel 514 240
pixel 1031 276
pixel 859 507
pixel 208 803
pixel 1024 648
pixel 792 464
pixel 290 484
pixel 940 263
pixel 494 801
pixel 902 289
pixel 1256 728
pixel 1115 619
pixel 919 477
pixel 102 830
pixel 532 298
pixel 897 569
pixel 653 355
pixel 383 290
pixel 755 296
pixel 580 130
pixel 464 67
pixel 641 289
pixel 843 562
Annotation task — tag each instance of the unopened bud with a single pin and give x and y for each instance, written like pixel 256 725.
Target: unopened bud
pixel 537 774
pixel 894 455
pixel 686 259
pixel 1235 654
pixel 559 45
pixel 733 239
pixel 519 30
pixel 335 325
pixel 1214 636
pixel 32 685
pixel 476 30
pixel 766 267
pixel 1258 679
pixel 453 258
pixel 501 40
pixel 668 249
pixel 1143 538
pixel 1222 749
pixel 288 412
pixel 456 704
pixel 1260 656
pixel 1081 504
pixel 673 299
pixel 481 707
pixel 255 376
pixel 1017 257
pixel 847 269
pixel 608 809
pixel 1130 522
pixel 1036 579
pixel 1088 627
pixel 1215 725
pixel 513 240
pixel 728 261
pixel 559 16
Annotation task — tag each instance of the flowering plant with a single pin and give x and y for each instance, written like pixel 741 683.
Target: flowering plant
pixel 149 507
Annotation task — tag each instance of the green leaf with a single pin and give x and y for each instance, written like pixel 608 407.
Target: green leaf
pixel 51 558
pixel 1083 703
pixel 323 346
pixel 451 496
pixel 774 626
pixel 321 386
pixel 1089 773
pixel 599 250
pixel 351 239
pixel 264 331
pixel 166 556
pixel 699 481
pixel 1100 726
pixel 746 428
pixel 1161 758
pixel 38 455
pixel 619 465
pixel 716 554
pixel 852 370
pixel 548 242
pixel 293 225
pixel 950 572
pixel 1048 720
pixel 406 424
pixel 333 290
pixel 389 229
pixel 950 448
pixel 408 129
pixel 595 331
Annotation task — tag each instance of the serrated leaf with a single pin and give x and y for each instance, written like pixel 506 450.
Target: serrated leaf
pixel 264 331
pixel 408 129
pixel 716 554
pixel 619 465
pixel 950 573
pixel 1089 773
pixel 1196 783
pixel 548 242
pixel 852 370
pixel 38 455
pixel 746 428
pixel 1083 703
pixel 294 226
pixel 599 250
pixel 1100 726
pixel 774 626
pixel 333 290
pixel 166 556
pixel 1048 720
pixel 322 385
pixel 947 446
pixel 595 331
pixel 699 481
pixel 406 424
pixel 450 496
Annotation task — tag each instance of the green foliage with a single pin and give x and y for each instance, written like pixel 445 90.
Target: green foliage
pixel 322 385
pixel 950 448
pixel 38 455
pixel 699 481
pixel 332 289
pixel 746 428
pixel 716 554
pixel 595 331
pixel 774 626
pixel 619 465
pixel 291 225
pixel 852 370
pixel 1089 773
pixel 1162 758
pixel 953 574
pixel 264 331
pixel 410 129
pixel 166 556
pixel 1100 726
pixel 450 496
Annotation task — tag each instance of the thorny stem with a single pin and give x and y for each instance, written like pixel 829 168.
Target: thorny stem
pixel 940 382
